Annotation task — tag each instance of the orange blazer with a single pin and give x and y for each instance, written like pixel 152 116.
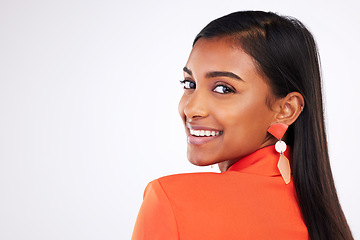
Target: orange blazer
pixel 248 201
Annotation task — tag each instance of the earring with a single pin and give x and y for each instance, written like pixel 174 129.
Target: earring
pixel 278 130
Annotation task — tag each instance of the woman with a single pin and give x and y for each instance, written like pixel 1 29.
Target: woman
pixel 252 81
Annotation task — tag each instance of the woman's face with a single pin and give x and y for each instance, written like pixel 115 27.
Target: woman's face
pixel 224 105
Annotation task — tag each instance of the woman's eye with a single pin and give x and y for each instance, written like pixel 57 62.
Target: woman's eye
pixel 188 84
pixel 223 89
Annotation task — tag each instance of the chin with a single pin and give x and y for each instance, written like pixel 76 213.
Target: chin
pixel 200 161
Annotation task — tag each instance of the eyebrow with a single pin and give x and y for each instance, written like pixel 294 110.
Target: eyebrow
pixel 216 74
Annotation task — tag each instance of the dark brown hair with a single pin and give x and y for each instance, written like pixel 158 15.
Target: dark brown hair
pixel 285 51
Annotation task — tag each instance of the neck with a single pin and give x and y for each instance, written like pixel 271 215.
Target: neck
pixel 224 166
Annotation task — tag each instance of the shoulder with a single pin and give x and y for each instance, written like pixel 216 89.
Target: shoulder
pixel 187 179
pixel 192 184
pixel 180 181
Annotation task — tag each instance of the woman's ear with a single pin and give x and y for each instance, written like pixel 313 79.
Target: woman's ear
pixel 289 108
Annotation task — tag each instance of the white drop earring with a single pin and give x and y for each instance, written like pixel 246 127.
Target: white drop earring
pixel 278 130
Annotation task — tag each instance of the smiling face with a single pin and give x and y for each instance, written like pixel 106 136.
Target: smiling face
pixel 224 105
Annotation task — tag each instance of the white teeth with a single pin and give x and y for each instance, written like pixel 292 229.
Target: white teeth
pixel 203 133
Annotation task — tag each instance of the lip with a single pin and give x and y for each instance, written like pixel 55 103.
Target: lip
pixel 195 140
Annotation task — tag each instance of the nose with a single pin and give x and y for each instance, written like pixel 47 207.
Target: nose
pixel 196 105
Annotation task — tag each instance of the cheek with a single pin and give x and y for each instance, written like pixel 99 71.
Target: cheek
pixel 232 113
pixel 245 119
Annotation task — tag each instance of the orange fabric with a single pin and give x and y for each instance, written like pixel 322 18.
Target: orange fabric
pixel 249 201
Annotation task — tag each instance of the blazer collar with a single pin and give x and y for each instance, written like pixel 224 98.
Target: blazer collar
pixel 262 162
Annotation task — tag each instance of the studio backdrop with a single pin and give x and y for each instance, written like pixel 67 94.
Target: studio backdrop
pixel 88 106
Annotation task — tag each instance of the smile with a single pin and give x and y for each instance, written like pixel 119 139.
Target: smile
pixel 204 133
pixel 201 136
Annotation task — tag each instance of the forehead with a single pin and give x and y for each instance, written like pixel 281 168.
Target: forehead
pixel 220 54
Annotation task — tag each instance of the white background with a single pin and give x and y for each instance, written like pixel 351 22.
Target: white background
pixel 88 106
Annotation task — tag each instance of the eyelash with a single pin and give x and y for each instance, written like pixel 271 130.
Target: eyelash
pixel 187 85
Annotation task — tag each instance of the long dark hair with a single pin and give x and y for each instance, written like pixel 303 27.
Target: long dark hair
pixel 285 51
